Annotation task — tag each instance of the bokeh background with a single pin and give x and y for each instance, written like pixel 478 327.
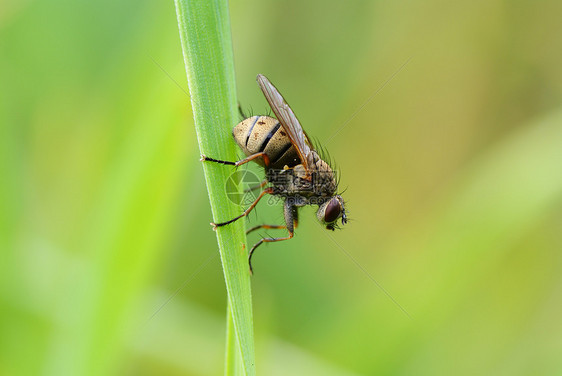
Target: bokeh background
pixel 451 263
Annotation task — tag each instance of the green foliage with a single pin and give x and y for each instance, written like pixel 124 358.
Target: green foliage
pixel 205 35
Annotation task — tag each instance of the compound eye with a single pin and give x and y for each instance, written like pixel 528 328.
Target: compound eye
pixel 333 211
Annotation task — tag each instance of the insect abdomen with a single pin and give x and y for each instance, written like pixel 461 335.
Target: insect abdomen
pixel 265 134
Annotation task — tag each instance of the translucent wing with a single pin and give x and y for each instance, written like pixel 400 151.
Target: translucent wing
pixel 287 118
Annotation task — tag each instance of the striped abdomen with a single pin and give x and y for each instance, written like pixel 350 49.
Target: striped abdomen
pixel 265 134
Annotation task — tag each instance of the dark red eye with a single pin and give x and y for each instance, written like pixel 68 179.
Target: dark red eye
pixel 333 211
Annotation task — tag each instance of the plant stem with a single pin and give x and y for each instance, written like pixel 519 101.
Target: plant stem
pixel 207 48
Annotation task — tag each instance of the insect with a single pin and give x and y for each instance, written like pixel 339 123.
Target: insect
pixel 294 170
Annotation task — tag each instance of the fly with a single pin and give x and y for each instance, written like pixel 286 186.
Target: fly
pixel 294 170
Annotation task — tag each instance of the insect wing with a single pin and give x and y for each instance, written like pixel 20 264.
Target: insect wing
pixel 287 118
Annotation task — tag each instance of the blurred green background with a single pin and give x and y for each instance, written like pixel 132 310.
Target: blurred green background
pixel 454 174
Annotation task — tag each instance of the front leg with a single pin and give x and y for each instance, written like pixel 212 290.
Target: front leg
pixel 246 212
pixel 262 155
pixel 253 188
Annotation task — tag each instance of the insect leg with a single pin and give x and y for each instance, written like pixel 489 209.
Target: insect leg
pixel 261 185
pixel 288 210
pixel 263 193
pixel 240 162
pixel 295 211
pixel 274 227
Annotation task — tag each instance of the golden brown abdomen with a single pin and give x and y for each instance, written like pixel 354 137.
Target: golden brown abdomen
pixel 265 134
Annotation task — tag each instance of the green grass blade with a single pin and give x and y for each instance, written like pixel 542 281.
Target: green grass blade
pixel 233 365
pixel 207 49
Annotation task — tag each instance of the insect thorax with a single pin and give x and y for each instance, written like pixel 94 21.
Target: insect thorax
pixel 316 188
